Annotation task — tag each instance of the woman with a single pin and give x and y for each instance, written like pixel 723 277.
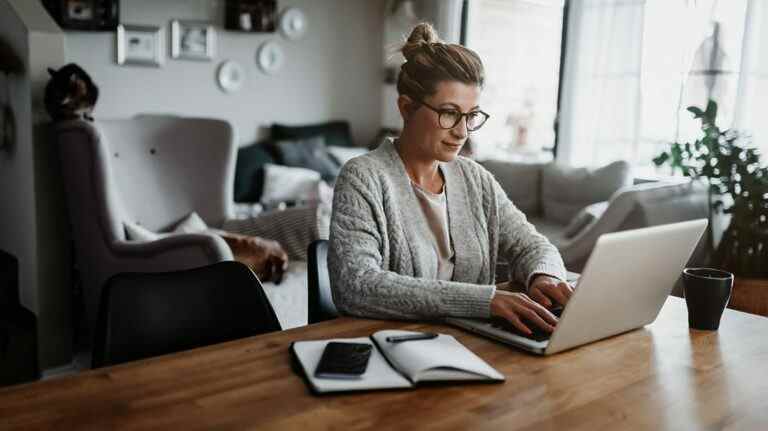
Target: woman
pixel 416 230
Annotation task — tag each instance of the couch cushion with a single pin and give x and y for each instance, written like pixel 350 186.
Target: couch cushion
pixel 555 232
pixel 520 181
pixel 565 191
pixel 587 215
pixel 335 132
pixel 249 175
pixel 288 184
pixel 309 153
pixel 294 228
pixel 343 154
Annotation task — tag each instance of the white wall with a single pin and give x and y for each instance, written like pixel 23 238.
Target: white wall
pixel 444 15
pixel 34 219
pixel 17 207
pixel 332 73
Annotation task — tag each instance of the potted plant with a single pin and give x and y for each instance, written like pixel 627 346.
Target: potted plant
pixel 738 188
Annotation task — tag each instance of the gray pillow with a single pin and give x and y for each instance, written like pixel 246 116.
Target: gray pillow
pixel 587 215
pixel 344 154
pixel 520 181
pixel 309 153
pixel 567 190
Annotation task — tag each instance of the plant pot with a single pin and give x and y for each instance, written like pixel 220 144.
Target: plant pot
pixel 743 248
pixel 750 295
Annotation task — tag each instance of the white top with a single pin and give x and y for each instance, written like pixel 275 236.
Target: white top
pixel 435 209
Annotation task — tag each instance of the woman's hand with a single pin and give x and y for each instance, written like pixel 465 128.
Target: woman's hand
pixel 548 291
pixel 516 307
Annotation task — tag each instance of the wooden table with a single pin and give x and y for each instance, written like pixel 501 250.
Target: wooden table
pixel 660 377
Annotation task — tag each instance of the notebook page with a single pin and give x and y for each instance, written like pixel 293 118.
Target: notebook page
pixel 441 358
pixel 378 375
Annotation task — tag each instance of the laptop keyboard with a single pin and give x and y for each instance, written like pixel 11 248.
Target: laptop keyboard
pixel 536 335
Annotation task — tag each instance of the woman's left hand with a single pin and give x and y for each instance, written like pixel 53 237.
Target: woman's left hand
pixel 548 291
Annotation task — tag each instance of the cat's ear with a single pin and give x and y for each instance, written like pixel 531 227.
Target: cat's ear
pixel 51 71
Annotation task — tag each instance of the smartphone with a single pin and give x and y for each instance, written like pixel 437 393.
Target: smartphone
pixel 343 360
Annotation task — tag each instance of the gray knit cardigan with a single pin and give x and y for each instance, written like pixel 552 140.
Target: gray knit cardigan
pixel 380 245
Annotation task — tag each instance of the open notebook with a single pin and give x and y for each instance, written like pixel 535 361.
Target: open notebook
pixel 397 365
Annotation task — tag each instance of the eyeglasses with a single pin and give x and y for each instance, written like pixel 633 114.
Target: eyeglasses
pixel 450 118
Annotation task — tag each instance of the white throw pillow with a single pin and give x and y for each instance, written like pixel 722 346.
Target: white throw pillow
pixel 283 183
pixel 135 232
pixel 345 154
pixel 192 223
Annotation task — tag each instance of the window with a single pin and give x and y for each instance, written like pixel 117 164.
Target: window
pixel 632 67
pixel 691 53
pixel 519 42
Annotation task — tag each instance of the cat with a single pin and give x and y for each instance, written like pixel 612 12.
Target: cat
pixel 70 94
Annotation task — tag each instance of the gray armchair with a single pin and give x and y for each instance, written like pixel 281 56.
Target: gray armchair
pixel 152 171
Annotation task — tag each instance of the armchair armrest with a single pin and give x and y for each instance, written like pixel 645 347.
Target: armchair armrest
pixel 174 251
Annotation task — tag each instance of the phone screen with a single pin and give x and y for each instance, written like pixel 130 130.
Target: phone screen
pixel 343 360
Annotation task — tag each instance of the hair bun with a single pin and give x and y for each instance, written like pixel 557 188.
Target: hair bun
pixel 422 34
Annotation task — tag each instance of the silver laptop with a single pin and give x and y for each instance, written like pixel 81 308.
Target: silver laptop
pixel 624 285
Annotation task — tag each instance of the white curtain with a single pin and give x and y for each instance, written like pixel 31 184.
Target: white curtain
pixel 633 66
pixel 600 104
pixel 751 103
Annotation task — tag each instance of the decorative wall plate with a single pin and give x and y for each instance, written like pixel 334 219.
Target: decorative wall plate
pixel 231 76
pixel 270 57
pixel 293 23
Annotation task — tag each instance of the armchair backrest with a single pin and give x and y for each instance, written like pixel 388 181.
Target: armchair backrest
pixel 166 167
pixel 152 170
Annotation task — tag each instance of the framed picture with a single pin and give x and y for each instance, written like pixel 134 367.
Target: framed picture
pixel 251 15
pixel 87 15
pixel 192 40
pixel 139 45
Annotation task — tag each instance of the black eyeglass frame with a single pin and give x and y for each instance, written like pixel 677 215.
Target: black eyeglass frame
pixel 440 112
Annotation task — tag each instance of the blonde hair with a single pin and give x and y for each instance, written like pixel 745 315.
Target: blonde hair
pixel 429 61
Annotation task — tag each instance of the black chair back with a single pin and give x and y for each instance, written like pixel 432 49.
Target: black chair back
pixel 148 314
pixel 320 306
pixel 9 280
pixel 18 328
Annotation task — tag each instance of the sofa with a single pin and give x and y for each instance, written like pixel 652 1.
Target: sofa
pixel 572 207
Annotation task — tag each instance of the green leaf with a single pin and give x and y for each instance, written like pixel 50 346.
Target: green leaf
pixel 661 159
pixel 711 111
pixel 697 112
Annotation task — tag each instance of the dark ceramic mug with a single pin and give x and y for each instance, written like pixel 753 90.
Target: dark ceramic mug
pixel 707 292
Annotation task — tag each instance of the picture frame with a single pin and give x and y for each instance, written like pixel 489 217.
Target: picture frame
pixel 139 45
pixel 193 40
pixel 257 16
pixel 85 15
